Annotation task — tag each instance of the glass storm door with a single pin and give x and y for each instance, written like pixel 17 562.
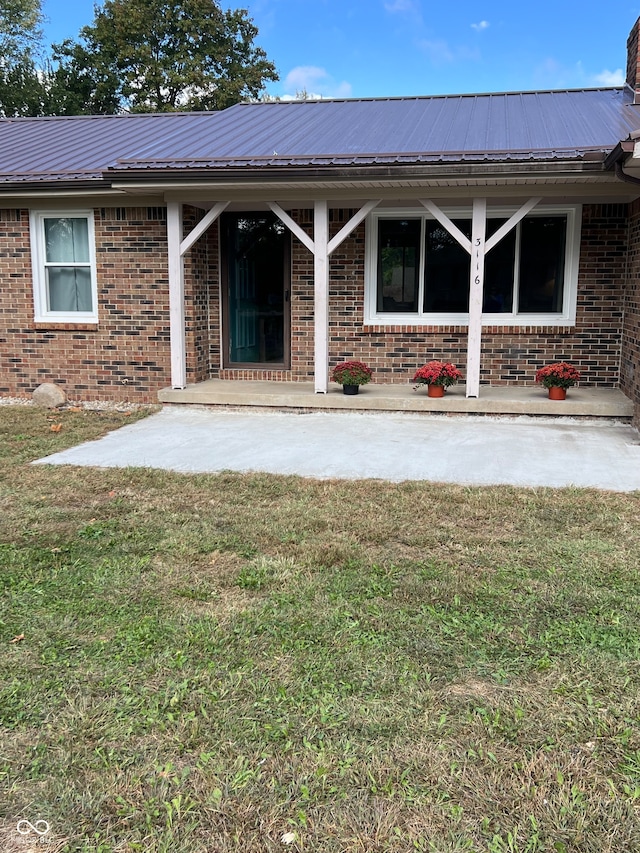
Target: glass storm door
pixel 257 303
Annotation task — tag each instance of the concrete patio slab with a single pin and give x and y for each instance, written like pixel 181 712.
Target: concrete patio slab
pixel 590 402
pixel 518 451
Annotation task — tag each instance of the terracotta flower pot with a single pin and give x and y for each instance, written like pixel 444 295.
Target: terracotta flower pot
pixel 435 390
pixel 556 393
pixel 350 390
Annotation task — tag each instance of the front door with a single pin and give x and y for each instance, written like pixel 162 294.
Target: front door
pixel 256 290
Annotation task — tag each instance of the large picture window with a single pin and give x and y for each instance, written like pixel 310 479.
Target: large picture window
pixel 64 266
pixel 418 272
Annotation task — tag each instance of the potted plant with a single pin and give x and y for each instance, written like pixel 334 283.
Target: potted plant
pixel 351 375
pixel 436 375
pixel 557 378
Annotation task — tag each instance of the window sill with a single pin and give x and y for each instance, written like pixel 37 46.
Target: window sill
pixel 56 326
pixel 493 321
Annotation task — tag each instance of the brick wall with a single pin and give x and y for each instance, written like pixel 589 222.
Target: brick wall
pixel 509 354
pixel 633 57
pixel 302 312
pixel 630 362
pixel 215 310
pixel 126 355
pixel 197 265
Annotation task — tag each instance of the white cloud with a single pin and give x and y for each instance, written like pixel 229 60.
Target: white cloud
pixel 401 6
pixel 552 74
pixel 610 78
pixel 440 52
pixel 482 25
pixel 316 82
pixel 549 73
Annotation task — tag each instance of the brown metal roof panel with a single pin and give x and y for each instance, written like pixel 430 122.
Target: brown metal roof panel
pixel 82 144
pixel 537 125
pixel 494 123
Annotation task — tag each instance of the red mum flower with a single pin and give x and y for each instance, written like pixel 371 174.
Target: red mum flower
pixel 437 373
pixel 558 375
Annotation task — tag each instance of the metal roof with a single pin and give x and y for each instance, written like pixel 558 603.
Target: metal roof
pixel 527 126
pixel 81 147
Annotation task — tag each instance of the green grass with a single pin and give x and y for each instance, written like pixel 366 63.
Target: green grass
pixel 210 662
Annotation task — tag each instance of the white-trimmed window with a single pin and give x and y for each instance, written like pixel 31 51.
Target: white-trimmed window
pixel 64 266
pixel 417 273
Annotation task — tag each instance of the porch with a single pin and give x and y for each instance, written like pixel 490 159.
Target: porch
pixel 532 400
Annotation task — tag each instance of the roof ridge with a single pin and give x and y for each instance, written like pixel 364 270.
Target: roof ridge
pixel 455 95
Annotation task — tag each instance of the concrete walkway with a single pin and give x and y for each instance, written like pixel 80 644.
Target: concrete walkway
pixel 519 451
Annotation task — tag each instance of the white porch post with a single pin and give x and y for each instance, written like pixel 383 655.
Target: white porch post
pixel 176 250
pixel 321 295
pixel 176 296
pixel 321 247
pixel 476 289
pixel 477 247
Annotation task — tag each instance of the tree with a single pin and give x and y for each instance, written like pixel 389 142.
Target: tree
pixel 20 29
pixel 22 90
pixel 78 86
pixel 166 55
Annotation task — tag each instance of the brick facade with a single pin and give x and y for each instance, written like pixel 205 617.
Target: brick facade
pixel 126 356
pixel 510 355
pixel 200 268
pixel 633 59
pixel 630 362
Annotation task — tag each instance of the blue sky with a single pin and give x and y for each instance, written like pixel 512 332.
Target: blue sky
pixel 384 48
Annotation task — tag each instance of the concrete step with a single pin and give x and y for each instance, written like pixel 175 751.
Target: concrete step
pixel 493 399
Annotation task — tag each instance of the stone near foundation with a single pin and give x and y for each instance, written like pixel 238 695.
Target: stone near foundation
pixel 49 396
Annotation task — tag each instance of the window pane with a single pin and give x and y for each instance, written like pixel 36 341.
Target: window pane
pixel 499 271
pixel 542 254
pixel 69 289
pixel 67 240
pixel 398 265
pixel 447 269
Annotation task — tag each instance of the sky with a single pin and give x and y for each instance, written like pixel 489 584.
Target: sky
pixel 391 48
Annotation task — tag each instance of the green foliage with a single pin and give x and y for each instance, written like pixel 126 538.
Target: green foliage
pixel 20 28
pixel 165 55
pixel 22 89
pixel 76 85
pixel 138 55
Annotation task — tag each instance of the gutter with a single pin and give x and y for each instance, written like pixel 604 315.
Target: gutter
pixel 622 175
pixel 268 174
pixel 617 156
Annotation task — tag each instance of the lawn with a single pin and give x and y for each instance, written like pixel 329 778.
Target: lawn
pixel 203 664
